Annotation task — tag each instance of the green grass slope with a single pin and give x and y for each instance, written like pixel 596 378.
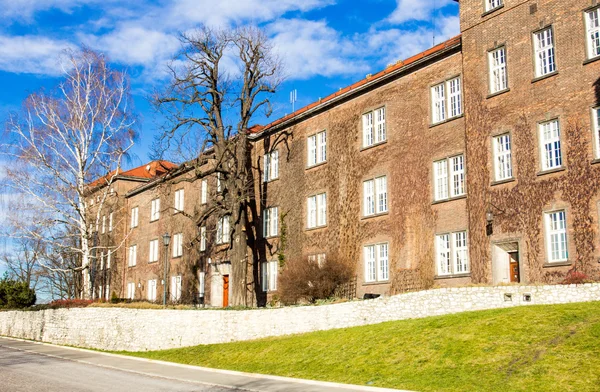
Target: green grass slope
pixel 533 348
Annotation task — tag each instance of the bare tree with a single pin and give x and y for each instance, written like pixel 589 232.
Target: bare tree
pixel 57 145
pixel 22 263
pixel 221 79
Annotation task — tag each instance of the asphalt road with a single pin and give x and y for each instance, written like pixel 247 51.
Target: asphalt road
pixel 27 366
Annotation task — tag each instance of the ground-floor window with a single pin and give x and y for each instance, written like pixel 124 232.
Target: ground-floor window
pixel 556 236
pixel 175 288
pixel 269 273
pixel 131 290
pixel 376 262
pixel 151 290
pixel 452 253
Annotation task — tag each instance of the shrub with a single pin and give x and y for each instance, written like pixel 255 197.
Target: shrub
pixel 15 294
pixel 575 277
pixel 307 281
pixel 69 303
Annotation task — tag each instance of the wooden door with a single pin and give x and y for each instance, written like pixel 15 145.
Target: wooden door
pixel 225 291
pixel 513 259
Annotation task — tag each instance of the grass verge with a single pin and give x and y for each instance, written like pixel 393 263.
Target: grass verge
pixel 533 348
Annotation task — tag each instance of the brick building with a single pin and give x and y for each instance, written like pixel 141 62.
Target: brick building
pixel 472 162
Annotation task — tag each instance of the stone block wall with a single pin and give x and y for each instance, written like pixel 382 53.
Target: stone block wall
pixel 140 330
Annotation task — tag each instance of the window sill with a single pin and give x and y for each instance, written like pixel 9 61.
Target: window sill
pixel 446 120
pixel 488 12
pixel 557 264
pixel 378 282
pixel 155 220
pixel 364 148
pixel 595 161
pixel 270 237
pixel 492 95
pixel 315 228
pixel 505 181
pixel 592 60
pixel 316 165
pixel 131 266
pixel 551 74
pixel 375 215
pixel 449 199
pixel 441 277
pixel 177 257
pixel 550 171
pixel 271 180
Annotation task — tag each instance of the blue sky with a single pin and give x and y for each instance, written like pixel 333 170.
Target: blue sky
pixel 325 44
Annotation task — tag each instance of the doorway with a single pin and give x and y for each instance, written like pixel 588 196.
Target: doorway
pixel 506 266
pixel 225 291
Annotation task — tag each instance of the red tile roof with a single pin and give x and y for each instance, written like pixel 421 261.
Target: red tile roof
pixel 370 78
pixel 145 172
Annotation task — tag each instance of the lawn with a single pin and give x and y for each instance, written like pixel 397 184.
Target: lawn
pixel 533 348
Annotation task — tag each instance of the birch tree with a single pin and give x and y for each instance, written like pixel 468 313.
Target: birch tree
pixel 62 146
pixel 221 80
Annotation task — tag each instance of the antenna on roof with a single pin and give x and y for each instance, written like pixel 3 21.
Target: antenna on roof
pixel 293 99
pixel 433 16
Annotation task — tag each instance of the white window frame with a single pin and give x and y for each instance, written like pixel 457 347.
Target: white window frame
pixel 592 30
pixel 108 258
pixel 202 238
pixel 131 290
pixel 269 271
pixel 110 222
pixel 132 258
pixel 223 230
pixel 103 224
pixel 175 288
pixel 107 293
pixel 376 260
pixel 316 147
pixel 557 243
pixel 452 253
pixel 151 290
pixel 135 213
pixel 178 245
pixel 179 202
pixel 271 222
pixel 317 211
pixel 204 191
pixel 596 130
pixel 218 182
pixel 375 196
pixel 449 178
pixel 544 52
pixel 154 210
pixel 153 251
pixel 502 149
pixel 101 260
pixel 318 258
pixel 498 70
pixel 446 100
pixel 271 166
pixel 491 5
pixel 374 127
pixel 550 145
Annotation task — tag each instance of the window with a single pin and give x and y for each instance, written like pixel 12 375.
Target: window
pixel 318 259
pixel 498 73
pixel 596 127
pixel 593 32
pixel 107 294
pixel 178 245
pixel 151 290
pixel 201 282
pixel 376 262
pixel 317 148
pixel 175 288
pixel 269 276
pixel 218 182
pixel 544 52
pixel 556 236
pixel 223 230
pixel 446 100
pixel 132 256
pixel 374 127
pixel 131 290
pixel 550 141
pixel 492 4
pixel 271 222
pixel 203 238
pixel 110 222
pixel 100 292
pixel 178 200
pixel 449 178
pixel 108 257
pixel 271 166
pixel 101 261
pixel 103 224
pixel 155 210
pixel 375 196
pixel 502 157
pixel 204 191
pixel 153 253
pixel 134 217
pixel 452 253
pixel 317 210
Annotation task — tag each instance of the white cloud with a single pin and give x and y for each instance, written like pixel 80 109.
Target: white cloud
pixel 418 10
pixel 25 10
pixel 31 54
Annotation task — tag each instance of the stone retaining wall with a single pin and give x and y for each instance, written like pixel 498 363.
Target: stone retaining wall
pixel 139 330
